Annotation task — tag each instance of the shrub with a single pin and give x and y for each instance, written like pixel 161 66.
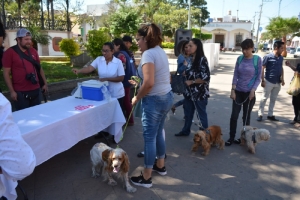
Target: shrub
pixel 69 47
pixel 168 45
pixel 96 39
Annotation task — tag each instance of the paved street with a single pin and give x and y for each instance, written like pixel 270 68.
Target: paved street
pixel 233 173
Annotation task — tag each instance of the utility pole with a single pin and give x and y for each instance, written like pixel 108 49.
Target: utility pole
pixel 261 6
pixel 279 7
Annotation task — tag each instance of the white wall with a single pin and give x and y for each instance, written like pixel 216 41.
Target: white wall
pixel 211 51
pixel 52 34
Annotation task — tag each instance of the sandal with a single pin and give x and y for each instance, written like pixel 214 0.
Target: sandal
pixel 229 142
pixel 237 141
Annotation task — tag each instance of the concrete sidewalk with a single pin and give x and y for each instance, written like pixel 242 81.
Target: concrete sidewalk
pixel 233 173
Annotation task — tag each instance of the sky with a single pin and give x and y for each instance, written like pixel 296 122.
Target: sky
pixel 247 9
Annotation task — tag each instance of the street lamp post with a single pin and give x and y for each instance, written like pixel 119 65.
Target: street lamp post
pixel 200 25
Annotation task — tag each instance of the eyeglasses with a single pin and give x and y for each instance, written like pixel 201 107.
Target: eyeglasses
pixel 105 50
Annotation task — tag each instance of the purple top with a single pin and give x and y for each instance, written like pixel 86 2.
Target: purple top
pixel 244 72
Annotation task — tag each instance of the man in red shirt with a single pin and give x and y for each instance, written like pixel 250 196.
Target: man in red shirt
pixel 20 75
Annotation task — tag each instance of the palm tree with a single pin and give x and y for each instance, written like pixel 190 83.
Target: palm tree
pixel 280 27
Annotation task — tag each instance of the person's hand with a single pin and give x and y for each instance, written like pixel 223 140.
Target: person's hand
pixel 282 83
pixel 75 71
pixel 287 63
pixel 134 101
pixel 13 96
pixel 45 88
pixel 251 95
pixel 185 63
pixel 232 95
pixel 263 84
pixel 132 82
pixel 103 79
pixel 189 82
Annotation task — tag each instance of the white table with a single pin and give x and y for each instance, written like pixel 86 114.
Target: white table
pixel 56 126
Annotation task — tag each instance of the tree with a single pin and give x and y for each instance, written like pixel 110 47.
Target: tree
pixel 170 18
pixel 125 21
pixel 280 27
pixel 147 8
pixel 38 37
pixel 96 39
pixel 196 16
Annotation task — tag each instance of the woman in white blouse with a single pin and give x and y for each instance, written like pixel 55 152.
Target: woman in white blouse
pixel 109 69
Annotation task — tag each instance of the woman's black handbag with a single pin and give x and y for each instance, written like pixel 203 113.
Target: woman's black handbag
pixel 178 83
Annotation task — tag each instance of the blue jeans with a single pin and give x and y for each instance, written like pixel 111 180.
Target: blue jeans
pixel 155 109
pixel 189 109
pixel 179 103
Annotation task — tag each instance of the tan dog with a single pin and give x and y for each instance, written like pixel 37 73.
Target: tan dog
pixel 252 135
pixel 211 136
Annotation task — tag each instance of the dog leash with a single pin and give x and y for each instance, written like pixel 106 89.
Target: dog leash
pixel 137 80
pixel 199 124
pixel 244 128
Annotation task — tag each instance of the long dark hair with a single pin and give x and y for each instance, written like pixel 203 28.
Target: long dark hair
pixel 198 54
pixel 119 41
pixel 2 29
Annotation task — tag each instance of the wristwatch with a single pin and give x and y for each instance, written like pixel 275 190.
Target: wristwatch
pixel 193 81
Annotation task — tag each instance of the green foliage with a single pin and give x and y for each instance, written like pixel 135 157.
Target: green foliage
pixel 260 46
pixel 38 36
pixel 125 21
pixel 69 47
pixel 280 27
pixel 96 39
pixel 168 45
pixel 203 36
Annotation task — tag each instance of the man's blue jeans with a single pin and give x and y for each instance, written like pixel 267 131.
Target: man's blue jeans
pixel 155 109
pixel 189 109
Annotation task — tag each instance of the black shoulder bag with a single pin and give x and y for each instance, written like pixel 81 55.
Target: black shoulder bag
pixel 178 83
pixel 29 58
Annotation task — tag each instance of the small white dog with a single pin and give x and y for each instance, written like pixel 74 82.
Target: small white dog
pixel 111 161
pixel 251 136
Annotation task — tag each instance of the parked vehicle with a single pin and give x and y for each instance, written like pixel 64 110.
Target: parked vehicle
pixel 297 53
pixel 292 50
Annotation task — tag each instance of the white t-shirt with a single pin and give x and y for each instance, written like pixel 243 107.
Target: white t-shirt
pixel 159 58
pixel 112 69
pixel 17 159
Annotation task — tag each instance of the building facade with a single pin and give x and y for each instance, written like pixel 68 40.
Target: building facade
pixel 229 31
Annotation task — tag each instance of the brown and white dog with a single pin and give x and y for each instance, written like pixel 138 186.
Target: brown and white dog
pixel 210 136
pixel 252 135
pixel 111 161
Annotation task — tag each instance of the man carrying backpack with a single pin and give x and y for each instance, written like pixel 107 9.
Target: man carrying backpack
pixel 246 78
pixel 271 80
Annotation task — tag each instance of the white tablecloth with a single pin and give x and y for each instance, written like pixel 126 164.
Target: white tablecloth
pixel 56 126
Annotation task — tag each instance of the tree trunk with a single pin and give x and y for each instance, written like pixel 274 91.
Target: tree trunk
pixel 42 15
pixel 52 14
pixel 284 53
pixel 48 16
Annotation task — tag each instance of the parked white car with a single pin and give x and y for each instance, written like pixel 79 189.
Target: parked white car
pixel 297 52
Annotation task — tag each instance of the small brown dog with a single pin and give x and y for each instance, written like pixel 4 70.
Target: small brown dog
pixel 211 136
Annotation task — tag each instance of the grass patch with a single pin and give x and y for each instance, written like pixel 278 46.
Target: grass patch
pixel 55 72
